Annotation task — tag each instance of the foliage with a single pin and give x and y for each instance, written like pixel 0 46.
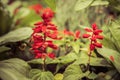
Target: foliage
pixel 74 58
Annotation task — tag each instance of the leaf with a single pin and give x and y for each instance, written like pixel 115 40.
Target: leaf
pixel 14 69
pixel 74 72
pixel 93 61
pixel 58 76
pixel 51 3
pixel 47 61
pixel 16 35
pixel 99 2
pixel 68 58
pixel 92 76
pixel 13 6
pixel 81 4
pixel 108 43
pixel 76 46
pixel 105 52
pixel 37 74
pixel 3 48
pixel 36 61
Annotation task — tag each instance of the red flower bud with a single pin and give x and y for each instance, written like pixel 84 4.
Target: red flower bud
pixel 99 45
pixel 88 29
pixel 92 47
pixel 36 8
pixel 77 34
pixel 86 35
pixel 94 26
pixel 99 37
pixel 51 55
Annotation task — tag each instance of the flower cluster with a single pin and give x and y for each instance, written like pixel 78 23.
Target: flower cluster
pixel 44 34
pixel 93 34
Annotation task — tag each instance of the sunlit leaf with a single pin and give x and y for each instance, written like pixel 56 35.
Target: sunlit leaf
pixel 16 35
pixel 14 69
pixel 105 52
pixel 37 74
pixel 82 4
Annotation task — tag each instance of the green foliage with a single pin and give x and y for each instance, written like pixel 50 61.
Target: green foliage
pixel 58 76
pixel 82 4
pixel 16 35
pixel 37 74
pixel 5 20
pixel 74 72
pixel 109 52
pixel 14 69
pixel 51 4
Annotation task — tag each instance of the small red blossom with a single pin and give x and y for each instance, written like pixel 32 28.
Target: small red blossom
pixel 93 35
pixel 37 8
pixel 47 14
pixel 76 35
pixel 112 58
pixel 51 55
pixel 86 35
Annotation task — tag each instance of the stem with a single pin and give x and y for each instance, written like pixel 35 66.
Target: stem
pixel 44 65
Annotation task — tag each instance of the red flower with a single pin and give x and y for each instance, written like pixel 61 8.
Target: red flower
pixel 93 36
pixel 47 14
pixel 77 34
pixel 41 32
pixel 51 55
pixel 36 8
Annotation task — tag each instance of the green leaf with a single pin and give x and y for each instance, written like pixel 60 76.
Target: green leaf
pixel 68 58
pixel 37 74
pixel 76 46
pixel 16 35
pixel 114 30
pixel 99 2
pixel 81 4
pixel 108 43
pixel 47 61
pixel 3 48
pixel 14 69
pixel 105 52
pixel 93 61
pixel 13 6
pixel 74 72
pixel 92 76
pixel 36 61
pixel 51 3
pixel 58 76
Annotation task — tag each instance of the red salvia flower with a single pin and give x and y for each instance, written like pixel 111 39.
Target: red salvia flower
pixel 93 34
pixel 41 32
pixel 37 8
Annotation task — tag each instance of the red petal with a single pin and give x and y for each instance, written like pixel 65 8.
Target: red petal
pixel 99 45
pixel 86 35
pixel 94 26
pixel 51 55
pixel 92 47
pixel 88 29
pixel 99 36
pixel 77 34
